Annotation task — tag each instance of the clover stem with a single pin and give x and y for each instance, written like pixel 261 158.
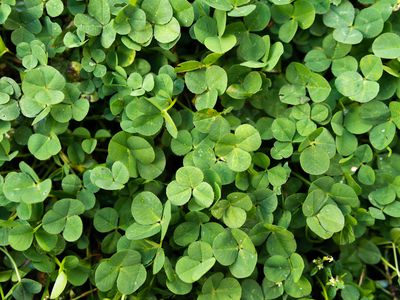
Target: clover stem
pixel 309 238
pixel 184 106
pixel 117 296
pixel 12 217
pixel 84 294
pixel 396 263
pixel 301 178
pixel 341 105
pixel 37 227
pixel 388 264
pixel 171 104
pixel 1 293
pixel 324 293
pixel 58 262
pixel 362 277
pixel 383 289
pixel 155 104
pixel 252 171
pixel 389 151
pixel 12 262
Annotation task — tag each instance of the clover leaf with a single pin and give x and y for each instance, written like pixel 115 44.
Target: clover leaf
pixel 26 187
pixel 189 182
pixel 217 286
pixel 123 269
pixel 231 149
pixel 107 179
pixel 64 217
pixel 234 248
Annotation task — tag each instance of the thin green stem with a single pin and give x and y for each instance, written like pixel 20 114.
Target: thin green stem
pixel 172 104
pixel 389 151
pixel 383 289
pixel 84 294
pixel 396 263
pixel 12 262
pixel 117 296
pixel 388 264
pixel 301 178
pixel 184 106
pixel 37 227
pixel 324 293
pixel 58 262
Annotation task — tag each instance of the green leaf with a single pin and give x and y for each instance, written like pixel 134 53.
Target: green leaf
pixel 304 13
pixel 64 217
pixel 59 285
pixel 220 44
pixel 203 194
pixel 369 21
pixel 281 242
pixel 395 113
pixel 382 196
pixel 340 15
pixel 371 67
pixel 168 32
pixel 249 138
pixel 314 161
pixel 288 30
pixel 87 25
pixel 298 289
pixel 331 218
pixel 369 90
pixel 100 10
pixel 218 287
pixel 27 288
pixel 344 194
pixel 20 187
pixel 238 160
pixel 316 60
pixel 138 231
pixel 387 45
pixel 382 135
pixel 190 270
pixel 189 176
pixel 349 83
pixel 157 11
pixel 20 237
pixel 183 143
pixel 105 219
pixel 283 129
pixel 107 179
pixel 216 78
pixel 119 149
pixel 259 18
pixel 43 147
pixel 124 269
pixel 44 85
pixel 183 11
pixel 146 208
pixel 219 4
pixel 347 35
pixel 54 7
pixel 131 278
pixel 178 194
pixel 277 268
pixel 368 252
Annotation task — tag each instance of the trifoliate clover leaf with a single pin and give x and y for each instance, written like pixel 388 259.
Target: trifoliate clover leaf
pixel 64 217
pixel 123 269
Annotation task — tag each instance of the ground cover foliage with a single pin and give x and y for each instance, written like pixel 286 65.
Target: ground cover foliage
pixel 207 149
